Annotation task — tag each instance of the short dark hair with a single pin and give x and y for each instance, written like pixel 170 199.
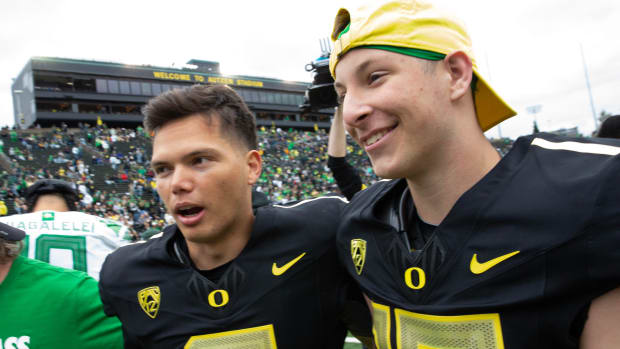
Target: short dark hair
pixel 208 100
pixel 52 187
pixel 610 127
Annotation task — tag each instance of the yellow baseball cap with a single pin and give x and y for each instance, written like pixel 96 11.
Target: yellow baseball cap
pixel 419 29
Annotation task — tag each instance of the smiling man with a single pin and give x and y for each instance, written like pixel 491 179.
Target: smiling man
pixel 464 249
pixel 227 275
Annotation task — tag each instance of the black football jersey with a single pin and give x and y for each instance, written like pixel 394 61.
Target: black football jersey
pixel 515 263
pixel 285 290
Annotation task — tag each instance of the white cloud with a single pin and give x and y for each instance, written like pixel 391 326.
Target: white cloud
pixel 528 49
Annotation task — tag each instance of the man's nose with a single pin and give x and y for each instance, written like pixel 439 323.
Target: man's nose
pixel 354 110
pixel 182 180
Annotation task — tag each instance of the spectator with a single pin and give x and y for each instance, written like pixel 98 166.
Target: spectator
pixel 149 230
pixel 51 205
pixel 44 306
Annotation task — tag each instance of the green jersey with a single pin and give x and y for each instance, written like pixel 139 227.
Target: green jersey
pixel 43 306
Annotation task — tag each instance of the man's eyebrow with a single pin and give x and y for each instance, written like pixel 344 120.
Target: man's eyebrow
pixel 157 163
pixel 203 151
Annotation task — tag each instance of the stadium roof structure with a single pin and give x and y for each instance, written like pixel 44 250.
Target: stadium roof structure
pixel 51 90
pixel 148 71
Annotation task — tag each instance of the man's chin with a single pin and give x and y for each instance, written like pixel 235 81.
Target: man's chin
pixel 198 235
pixel 382 171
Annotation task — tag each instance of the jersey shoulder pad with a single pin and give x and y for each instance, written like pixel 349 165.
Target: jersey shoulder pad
pixel 370 195
pixel 317 218
pixel 572 158
pixel 129 259
pixel 308 204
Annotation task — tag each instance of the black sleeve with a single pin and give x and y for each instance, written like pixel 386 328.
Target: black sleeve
pixel 348 180
pixel 356 314
pixel 107 307
pixel 129 341
pixel 604 232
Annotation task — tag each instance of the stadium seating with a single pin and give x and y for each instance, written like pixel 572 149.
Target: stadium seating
pixel 294 168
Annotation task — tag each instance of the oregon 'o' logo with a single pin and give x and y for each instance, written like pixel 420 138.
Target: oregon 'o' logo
pixel 421 278
pixel 220 301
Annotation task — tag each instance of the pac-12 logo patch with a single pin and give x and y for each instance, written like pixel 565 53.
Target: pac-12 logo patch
pixel 358 253
pixel 149 299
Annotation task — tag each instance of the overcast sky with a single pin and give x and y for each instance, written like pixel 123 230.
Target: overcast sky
pixel 528 50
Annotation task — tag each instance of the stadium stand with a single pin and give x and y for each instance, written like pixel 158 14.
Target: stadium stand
pixel 110 167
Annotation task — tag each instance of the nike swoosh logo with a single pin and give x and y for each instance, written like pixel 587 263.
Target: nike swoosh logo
pixel 277 271
pixel 479 268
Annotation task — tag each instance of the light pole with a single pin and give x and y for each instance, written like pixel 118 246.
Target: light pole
pixel 585 70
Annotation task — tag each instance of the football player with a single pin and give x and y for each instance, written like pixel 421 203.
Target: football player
pixel 62 236
pixel 462 248
pixel 227 275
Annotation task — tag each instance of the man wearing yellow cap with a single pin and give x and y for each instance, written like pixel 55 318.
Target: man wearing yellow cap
pixel 462 248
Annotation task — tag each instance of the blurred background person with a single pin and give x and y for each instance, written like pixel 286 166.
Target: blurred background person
pixel 59 235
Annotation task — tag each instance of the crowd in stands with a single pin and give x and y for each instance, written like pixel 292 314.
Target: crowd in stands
pixel 110 168
pixel 295 164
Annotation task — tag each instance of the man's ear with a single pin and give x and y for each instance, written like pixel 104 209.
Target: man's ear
pixel 255 166
pixel 459 66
